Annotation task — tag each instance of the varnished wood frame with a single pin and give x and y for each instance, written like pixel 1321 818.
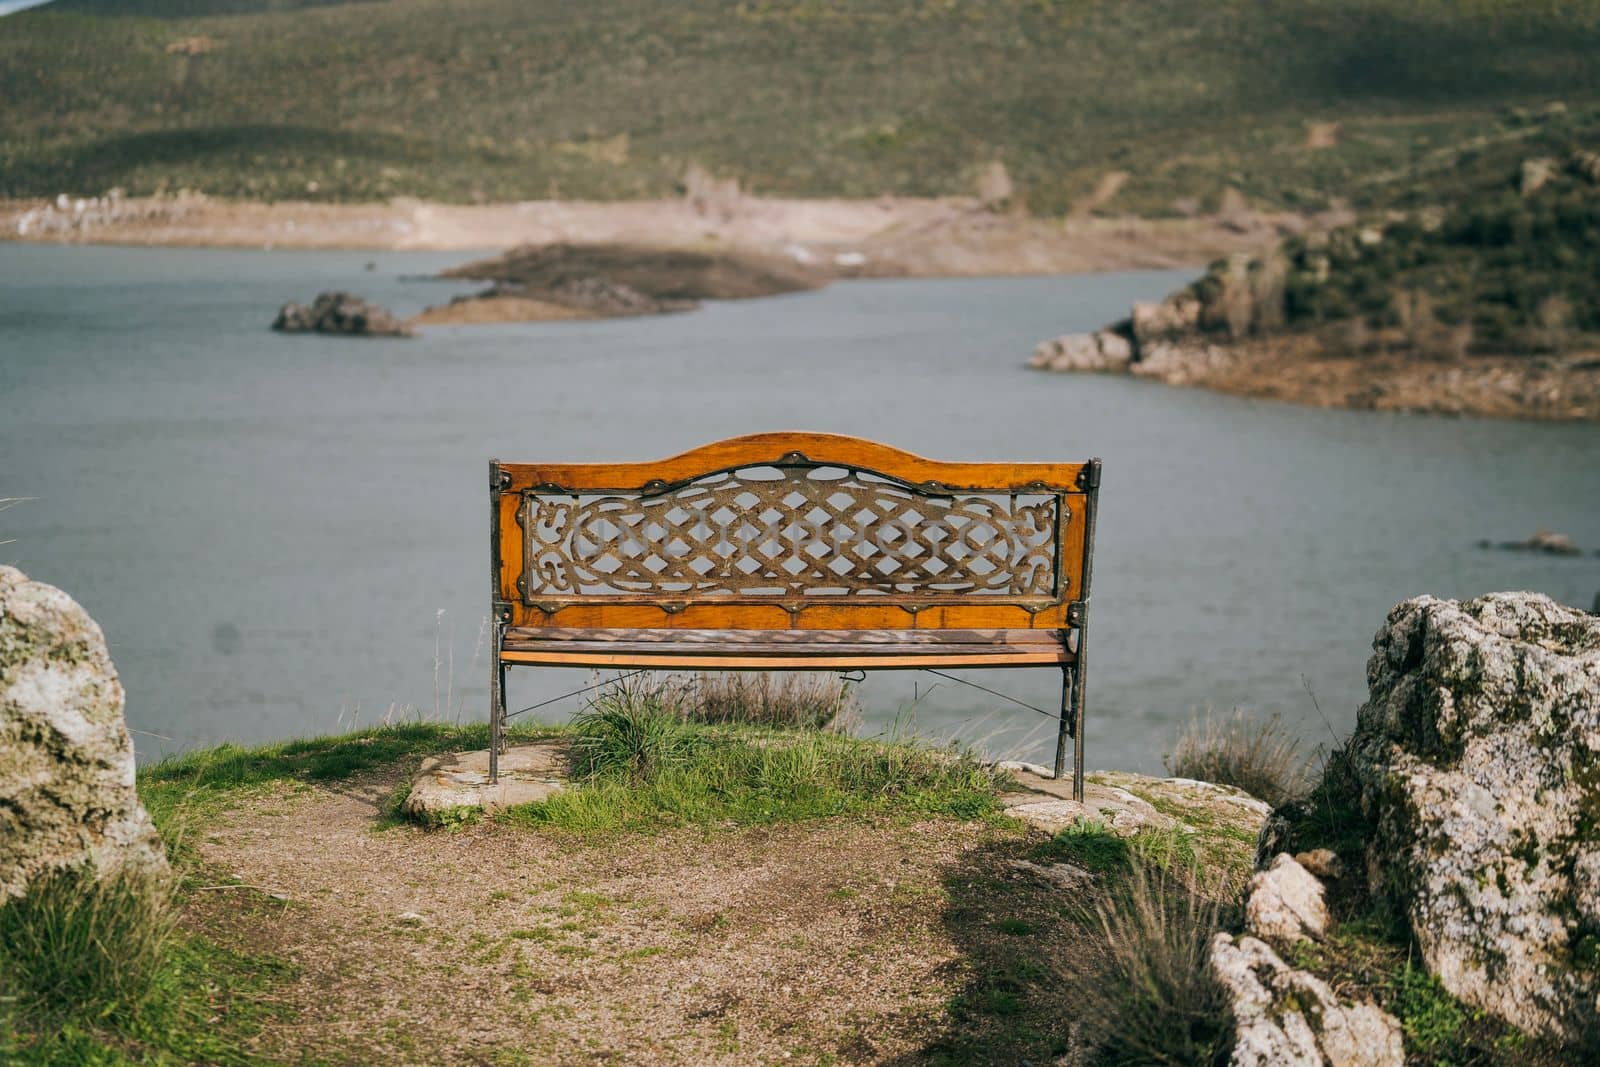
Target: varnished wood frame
pixel 1065 481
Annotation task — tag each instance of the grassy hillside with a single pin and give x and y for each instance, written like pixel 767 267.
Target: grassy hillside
pixel 505 99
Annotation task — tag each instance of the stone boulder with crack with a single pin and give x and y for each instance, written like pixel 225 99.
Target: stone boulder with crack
pixel 67 794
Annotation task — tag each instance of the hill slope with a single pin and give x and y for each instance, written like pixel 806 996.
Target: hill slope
pixel 509 99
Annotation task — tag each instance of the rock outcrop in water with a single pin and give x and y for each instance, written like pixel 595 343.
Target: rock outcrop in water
pixel 66 762
pixel 342 314
pixel 1546 541
pixel 1475 765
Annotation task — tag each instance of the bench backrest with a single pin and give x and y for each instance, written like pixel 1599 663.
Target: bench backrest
pixel 791 530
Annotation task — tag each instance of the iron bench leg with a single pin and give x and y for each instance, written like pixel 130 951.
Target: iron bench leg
pixel 1071 725
pixel 1077 723
pixel 497 705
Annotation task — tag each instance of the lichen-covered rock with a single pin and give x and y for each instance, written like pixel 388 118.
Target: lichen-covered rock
pixel 1284 1018
pixel 1477 760
pixel 1286 903
pixel 66 763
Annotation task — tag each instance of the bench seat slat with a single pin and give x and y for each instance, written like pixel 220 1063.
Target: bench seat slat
pixel 764 638
pixel 784 649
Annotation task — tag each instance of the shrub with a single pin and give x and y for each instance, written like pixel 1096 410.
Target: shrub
pixel 1155 1000
pixel 1262 758
pixel 77 946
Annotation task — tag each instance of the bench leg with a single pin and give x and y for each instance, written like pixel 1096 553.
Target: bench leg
pixel 497 706
pixel 1065 723
pixel 1077 734
pixel 1071 726
pixel 1078 701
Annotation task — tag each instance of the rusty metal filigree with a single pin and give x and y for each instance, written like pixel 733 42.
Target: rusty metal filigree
pixel 790 531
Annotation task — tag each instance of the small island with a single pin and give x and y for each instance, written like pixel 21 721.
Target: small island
pixel 589 281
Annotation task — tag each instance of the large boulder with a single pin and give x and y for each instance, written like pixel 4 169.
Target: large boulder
pixel 66 763
pixel 1285 903
pixel 339 313
pixel 1477 761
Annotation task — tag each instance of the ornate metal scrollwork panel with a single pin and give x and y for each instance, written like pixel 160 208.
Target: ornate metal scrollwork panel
pixel 790 531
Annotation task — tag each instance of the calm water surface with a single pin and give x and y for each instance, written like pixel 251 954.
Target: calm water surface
pixel 285 536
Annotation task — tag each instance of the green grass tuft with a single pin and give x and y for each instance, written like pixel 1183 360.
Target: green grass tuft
pixel 643 769
pixel 95 971
pixel 78 944
pixel 633 730
pixel 1092 845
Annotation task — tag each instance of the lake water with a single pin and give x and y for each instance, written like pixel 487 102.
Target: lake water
pixel 286 535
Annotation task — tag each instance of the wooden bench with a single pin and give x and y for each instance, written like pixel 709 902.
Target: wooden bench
pixel 789 551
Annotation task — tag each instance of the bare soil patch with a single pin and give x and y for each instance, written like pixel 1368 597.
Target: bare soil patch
pixel 846 940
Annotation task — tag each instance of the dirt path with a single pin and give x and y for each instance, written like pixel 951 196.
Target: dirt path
pixel 842 941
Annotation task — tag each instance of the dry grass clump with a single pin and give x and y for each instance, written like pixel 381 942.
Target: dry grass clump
pixel 1155 1000
pixel 790 700
pixel 1261 757
pixel 805 701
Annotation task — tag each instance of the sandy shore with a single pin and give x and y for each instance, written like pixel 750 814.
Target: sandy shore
pixel 889 236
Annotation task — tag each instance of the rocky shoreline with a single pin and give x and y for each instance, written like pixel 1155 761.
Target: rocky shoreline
pixel 1168 341
pixel 1320 371
pixel 1485 306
